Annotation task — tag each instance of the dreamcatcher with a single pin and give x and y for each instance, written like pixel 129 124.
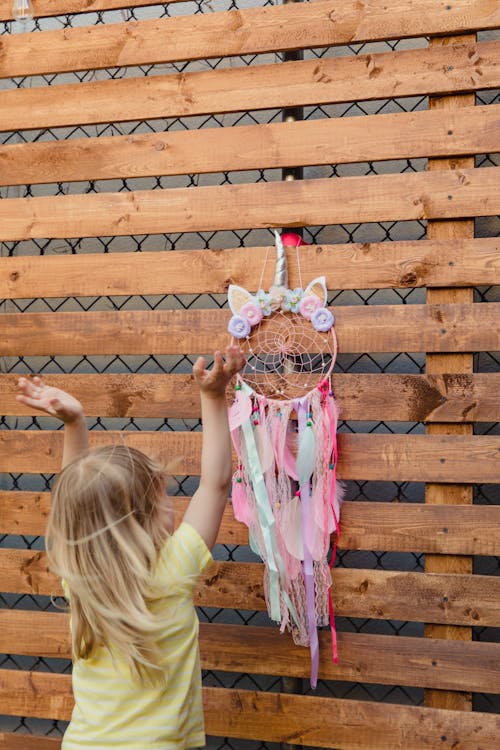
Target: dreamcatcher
pixel 283 424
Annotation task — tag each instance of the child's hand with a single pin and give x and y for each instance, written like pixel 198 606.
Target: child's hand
pixel 213 382
pixel 51 400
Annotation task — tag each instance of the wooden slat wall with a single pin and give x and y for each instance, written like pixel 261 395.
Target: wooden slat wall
pixel 448 398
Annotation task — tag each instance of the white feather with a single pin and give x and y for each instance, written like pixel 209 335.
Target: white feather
pixel 306 458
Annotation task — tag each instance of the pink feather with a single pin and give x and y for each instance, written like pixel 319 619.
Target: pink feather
pixel 264 447
pixel 240 501
pixel 289 459
pixel 291 527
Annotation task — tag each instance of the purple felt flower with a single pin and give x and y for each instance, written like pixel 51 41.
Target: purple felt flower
pixel 309 305
pixel 252 312
pixel 322 319
pixel 239 327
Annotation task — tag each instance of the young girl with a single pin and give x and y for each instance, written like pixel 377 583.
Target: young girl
pixel 130 578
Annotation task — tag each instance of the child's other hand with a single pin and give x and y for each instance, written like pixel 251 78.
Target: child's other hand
pixel 213 382
pixel 51 400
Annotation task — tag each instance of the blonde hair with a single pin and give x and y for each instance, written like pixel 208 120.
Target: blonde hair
pixel 103 538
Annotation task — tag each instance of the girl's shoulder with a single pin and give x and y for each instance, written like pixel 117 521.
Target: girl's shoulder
pixel 183 556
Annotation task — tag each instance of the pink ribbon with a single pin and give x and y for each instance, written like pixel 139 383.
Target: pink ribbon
pixel 327 401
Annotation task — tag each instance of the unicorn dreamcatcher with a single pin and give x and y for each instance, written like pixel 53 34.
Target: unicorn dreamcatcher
pixel 284 428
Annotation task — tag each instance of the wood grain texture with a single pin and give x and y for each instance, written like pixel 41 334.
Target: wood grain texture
pixel 61 7
pixel 16 741
pixel 237 32
pixel 412 458
pixel 354 725
pixel 384 75
pixel 377 659
pixel 276 717
pixel 389 197
pixel 384 526
pixel 27 513
pixel 408 398
pixel 374 594
pixel 217 149
pixel 351 22
pixel 467 262
pixel 378 328
pixel 411 527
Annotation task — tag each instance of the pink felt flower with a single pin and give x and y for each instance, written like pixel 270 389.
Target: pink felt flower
pixel 309 305
pixel 252 312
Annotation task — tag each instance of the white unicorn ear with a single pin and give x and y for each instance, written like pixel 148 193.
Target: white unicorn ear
pixel 237 297
pixel 318 288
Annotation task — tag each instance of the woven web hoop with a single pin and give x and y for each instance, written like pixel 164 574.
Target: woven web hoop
pixel 287 357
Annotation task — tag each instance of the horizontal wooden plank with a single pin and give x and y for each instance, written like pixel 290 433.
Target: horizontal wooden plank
pixel 407 398
pixel 413 458
pixel 363 328
pixel 435 70
pixel 278 717
pixel 386 660
pixel 390 197
pixel 437 133
pixel 44 8
pixel 389 527
pixel 362 658
pixel 36 694
pixel 24 512
pixel 412 527
pixel 350 22
pixel 17 741
pixel 351 725
pixel 376 265
pixel 374 594
pixel 27 513
pixel 237 32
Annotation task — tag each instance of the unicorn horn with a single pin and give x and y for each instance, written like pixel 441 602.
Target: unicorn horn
pixel 281 273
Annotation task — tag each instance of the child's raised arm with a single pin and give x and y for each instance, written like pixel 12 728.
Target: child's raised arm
pixel 205 510
pixel 58 403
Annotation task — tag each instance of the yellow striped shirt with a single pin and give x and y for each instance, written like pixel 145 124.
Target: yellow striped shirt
pixel 111 711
